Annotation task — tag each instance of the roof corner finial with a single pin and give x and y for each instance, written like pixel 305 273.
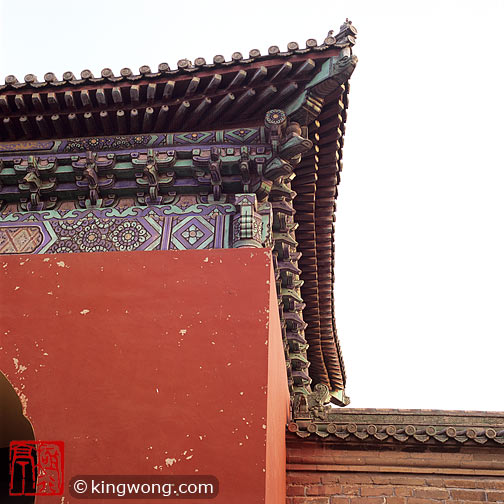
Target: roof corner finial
pixel 347 33
pixel 343 29
pixel 346 24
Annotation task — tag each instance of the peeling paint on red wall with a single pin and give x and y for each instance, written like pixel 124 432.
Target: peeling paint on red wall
pixel 150 362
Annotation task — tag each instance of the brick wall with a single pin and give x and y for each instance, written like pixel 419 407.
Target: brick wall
pixel 322 472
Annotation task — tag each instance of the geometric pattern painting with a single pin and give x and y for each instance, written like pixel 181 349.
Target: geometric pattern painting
pixel 92 234
pixel 19 240
pixel 162 227
pixel 191 232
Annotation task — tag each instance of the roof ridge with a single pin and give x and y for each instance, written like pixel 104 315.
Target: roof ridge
pixel 344 38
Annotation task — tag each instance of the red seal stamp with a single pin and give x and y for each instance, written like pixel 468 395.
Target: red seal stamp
pixel 36 467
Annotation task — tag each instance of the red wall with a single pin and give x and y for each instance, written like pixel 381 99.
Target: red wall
pixel 136 358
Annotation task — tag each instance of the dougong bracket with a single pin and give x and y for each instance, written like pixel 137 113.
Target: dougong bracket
pixel 91 177
pixel 32 182
pixel 150 172
pixel 245 169
pixel 215 173
pixel 156 174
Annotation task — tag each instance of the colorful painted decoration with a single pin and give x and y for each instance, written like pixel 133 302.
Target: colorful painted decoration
pixel 245 153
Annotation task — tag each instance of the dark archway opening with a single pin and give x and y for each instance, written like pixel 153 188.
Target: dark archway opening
pixel 14 426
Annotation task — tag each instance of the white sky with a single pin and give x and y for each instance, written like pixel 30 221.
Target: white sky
pixel 420 246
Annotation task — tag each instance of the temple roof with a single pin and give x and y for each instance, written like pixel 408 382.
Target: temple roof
pixel 310 84
pixel 395 426
pixel 344 38
pixel 167 100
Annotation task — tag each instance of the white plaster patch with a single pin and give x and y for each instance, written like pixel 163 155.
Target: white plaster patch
pixel 189 457
pixel 206 259
pixel 46 259
pixel 62 264
pixel 84 312
pixel 19 367
pixel 17 287
pixel 183 331
pixel 170 461
pixel 23 399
